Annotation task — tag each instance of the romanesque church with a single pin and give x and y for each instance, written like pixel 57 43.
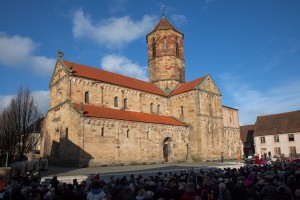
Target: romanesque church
pixel 97 117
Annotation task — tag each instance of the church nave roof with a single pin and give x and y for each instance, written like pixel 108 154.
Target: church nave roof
pixel 110 113
pixel 113 78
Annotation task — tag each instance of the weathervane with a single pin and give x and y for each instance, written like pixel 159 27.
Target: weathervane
pixel 163 11
pixel 60 54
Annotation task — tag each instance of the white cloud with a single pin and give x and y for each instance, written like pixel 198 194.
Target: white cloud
pixel 112 32
pixel 282 97
pixel 18 51
pixel 40 97
pixel 117 6
pixel 4 101
pixel 206 3
pixel 178 19
pixel 122 65
pixel 42 65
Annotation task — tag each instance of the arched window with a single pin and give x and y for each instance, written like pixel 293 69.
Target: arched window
pixel 153 48
pixel 127 133
pixel 165 43
pixel 210 109
pixel 125 103
pixel 151 107
pixel 177 48
pixel 181 110
pixel 102 131
pixel 158 108
pixel 86 97
pixel 209 127
pixel 67 133
pixel 59 96
pixel 116 101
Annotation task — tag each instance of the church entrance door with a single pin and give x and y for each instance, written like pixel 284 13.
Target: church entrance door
pixel 167 149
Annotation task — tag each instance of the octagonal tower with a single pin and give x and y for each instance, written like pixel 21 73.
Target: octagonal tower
pixel 165 56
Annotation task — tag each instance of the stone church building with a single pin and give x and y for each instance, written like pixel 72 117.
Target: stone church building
pixel 98 117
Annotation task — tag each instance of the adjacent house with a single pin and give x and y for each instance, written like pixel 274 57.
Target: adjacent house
pixel 278 134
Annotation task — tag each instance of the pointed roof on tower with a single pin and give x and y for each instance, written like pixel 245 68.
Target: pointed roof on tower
pixel 164 24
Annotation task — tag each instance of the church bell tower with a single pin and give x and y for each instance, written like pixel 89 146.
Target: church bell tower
pixel 165 56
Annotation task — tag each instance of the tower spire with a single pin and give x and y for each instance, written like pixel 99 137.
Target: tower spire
pixel 163 11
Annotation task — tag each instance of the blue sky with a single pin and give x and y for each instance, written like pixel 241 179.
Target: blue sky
pixel 251 48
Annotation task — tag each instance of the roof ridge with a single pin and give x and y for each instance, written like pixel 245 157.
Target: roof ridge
pixel 279 113
pixel 121 114
pixel 248 125
pixel 187 86
pixel 93 73
pixel 106 71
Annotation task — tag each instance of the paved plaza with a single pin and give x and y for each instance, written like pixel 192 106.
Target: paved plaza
pixel 67 175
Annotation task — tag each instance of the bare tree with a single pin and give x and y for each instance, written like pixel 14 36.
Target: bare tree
pixel 8 140
pixel 18 125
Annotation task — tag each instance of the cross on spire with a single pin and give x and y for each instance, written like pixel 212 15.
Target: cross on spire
pixel 163 11
pixel 60 54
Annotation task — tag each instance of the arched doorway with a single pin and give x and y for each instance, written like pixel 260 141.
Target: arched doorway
pixel 167 149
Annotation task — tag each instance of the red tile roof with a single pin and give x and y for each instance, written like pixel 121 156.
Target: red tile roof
pixel 163 24
pixel 125 81
pixel 288 122
pixel 110 113
pixel 244 131
pixel 185 87
pixel 113 78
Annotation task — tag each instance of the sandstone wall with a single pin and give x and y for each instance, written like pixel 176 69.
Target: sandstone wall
pixel 231 134
pixel 103 94
pixel 115 142
pixel 62 136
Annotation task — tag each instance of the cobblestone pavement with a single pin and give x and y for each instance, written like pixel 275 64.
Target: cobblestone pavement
pixel 68 174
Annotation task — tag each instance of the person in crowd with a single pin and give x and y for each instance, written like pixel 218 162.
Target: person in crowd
pixel 224 193
pixel 54 182
pixel 279 180
pixel 96 193
pixel 140 195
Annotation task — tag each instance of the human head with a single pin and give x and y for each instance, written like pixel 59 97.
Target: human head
pixel 222 187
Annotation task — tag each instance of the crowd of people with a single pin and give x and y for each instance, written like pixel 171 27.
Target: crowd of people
pixel 277 181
